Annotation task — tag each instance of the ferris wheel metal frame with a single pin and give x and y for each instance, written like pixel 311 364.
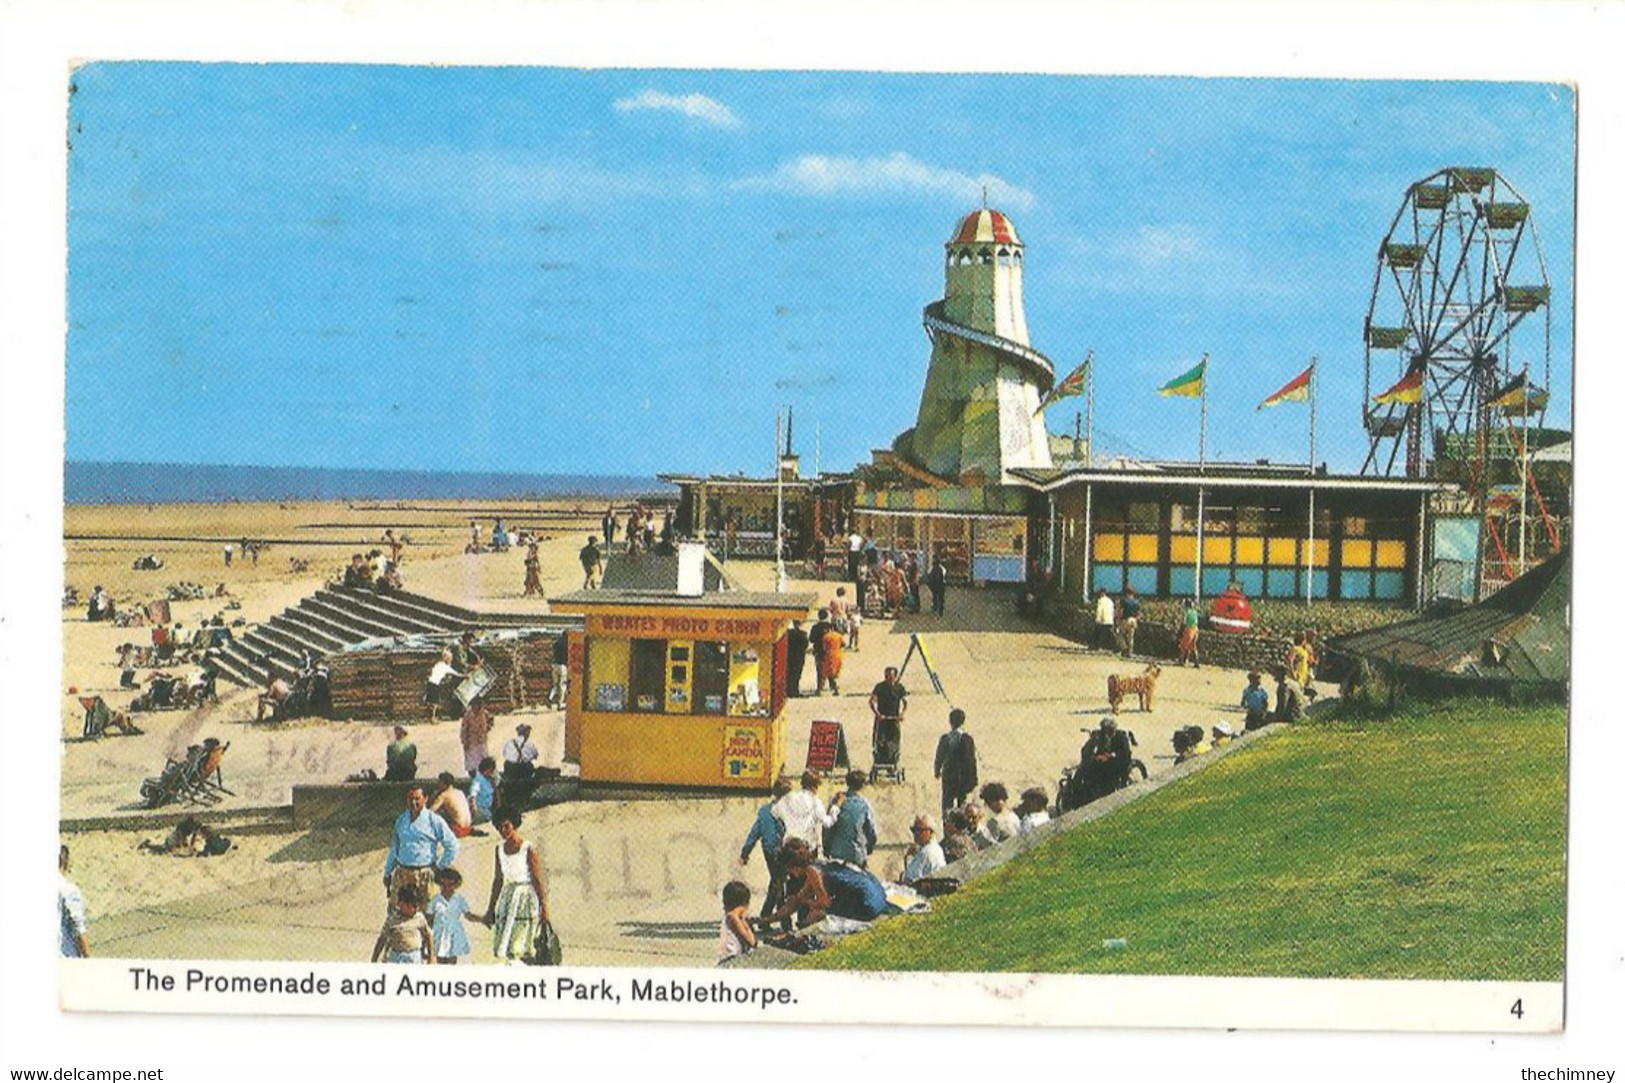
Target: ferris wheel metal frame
pixel 1459 272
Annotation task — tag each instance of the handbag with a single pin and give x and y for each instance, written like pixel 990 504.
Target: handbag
pixel 546 951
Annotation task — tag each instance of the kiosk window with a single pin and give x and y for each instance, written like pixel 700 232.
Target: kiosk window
pixel 606 674
pixel 646 685
pixel 710 677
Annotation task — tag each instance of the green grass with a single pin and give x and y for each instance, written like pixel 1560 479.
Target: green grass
pixel 1427 845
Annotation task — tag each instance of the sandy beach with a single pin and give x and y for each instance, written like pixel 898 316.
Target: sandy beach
pixel 630 881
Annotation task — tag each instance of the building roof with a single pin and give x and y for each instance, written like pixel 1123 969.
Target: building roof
pixel 1218 476
pixel 1520 633
pixel 740 481
pixel 796 602
pixel 650 573
pixel 985 226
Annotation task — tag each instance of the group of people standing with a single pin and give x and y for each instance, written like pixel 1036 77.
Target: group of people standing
pixel 641 534
pixel 1117 624
pixel 426 911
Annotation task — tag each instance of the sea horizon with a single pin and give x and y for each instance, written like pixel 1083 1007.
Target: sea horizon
pixel 112 482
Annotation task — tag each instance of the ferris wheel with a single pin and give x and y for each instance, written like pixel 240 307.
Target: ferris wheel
pixel 1459 315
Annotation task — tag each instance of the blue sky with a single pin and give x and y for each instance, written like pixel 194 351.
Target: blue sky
pixel 551 270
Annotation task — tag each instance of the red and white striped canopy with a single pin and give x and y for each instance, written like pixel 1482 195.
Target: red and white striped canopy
pixel 985 226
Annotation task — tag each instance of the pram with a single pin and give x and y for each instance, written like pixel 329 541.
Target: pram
pixel 887 741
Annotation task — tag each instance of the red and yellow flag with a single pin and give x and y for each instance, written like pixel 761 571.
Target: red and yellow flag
pixel 1296 390
pixel 1407 392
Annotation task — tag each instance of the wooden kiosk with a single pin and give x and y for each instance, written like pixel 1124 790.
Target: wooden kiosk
pixel 682 690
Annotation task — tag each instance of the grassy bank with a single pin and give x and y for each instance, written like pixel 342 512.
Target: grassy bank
pixel 1427 845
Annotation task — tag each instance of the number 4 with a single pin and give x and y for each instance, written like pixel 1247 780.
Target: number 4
pixel 1517 1007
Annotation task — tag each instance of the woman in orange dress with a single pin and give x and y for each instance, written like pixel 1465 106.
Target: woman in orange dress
pixel 829 662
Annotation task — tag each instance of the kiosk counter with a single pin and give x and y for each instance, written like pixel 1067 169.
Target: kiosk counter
pixel 682 691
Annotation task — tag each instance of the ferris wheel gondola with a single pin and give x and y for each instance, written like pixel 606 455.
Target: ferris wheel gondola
pixel 1459 310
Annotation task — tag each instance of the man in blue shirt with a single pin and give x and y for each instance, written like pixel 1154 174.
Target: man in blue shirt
pixel 420 843
pixel 769 831
pixel 482 790
pixel 1255 700
pixel 853 835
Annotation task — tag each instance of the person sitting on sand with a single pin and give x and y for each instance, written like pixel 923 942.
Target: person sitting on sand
pixel 358 575
pixel 453 806
pixel 185 839
pixel 277 691
pixel 400 758
pixel 805 898
pixel 482 790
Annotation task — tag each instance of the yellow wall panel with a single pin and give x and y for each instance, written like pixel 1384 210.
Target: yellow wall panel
pixel 1182 549
pixel 1249 550
pixel 1283 551
pixel 1356 553
pixel 672 750
pixel 1322 551
pixel 1142 548
pixel 1109 547
pixel 1216 550
pixel 1390 554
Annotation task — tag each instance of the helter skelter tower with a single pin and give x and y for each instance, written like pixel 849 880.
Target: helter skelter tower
pixel 979 411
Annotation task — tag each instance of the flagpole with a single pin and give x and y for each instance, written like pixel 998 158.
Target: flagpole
pixel 1089 407
pixel 1201 445
pixel 1201 490
pixel 1309 584
pixel 779 583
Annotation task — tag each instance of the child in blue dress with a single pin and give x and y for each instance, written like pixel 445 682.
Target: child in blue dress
pixel 446 913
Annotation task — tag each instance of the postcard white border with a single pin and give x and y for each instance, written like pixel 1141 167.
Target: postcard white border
pixel 1531 40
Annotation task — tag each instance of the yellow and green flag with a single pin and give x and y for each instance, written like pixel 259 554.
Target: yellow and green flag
pixel 1187 385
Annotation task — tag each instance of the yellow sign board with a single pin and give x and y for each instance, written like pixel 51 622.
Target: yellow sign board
pixel 744 752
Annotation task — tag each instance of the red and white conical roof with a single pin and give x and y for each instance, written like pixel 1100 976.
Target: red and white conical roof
pixel 985 226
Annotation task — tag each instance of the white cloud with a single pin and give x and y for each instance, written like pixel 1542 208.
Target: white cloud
pixel 821 175
pixel 1161 246
pixel 698 106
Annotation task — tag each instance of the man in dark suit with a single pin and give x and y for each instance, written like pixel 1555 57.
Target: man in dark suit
pixel 819 631
pixel 795 658
pixel 956 762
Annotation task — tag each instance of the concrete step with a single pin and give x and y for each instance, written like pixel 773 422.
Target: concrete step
pixel 316 638
pixel 407 618
pixel 288 638
pixel 355 626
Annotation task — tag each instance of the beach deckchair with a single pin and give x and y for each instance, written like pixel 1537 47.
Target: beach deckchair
pixel 166 788
pixel 211 782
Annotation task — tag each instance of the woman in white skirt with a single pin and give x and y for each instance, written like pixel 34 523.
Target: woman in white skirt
pixel 518 908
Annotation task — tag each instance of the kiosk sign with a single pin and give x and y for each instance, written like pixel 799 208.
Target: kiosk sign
pixel 744 752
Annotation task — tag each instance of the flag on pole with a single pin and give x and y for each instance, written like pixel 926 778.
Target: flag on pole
pixel 1072 385
pixel 1295 391
pixel 1407 392
pixel 1187 385
pixel 1519 396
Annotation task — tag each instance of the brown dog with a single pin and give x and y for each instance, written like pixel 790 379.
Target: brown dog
pixel 1120 686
